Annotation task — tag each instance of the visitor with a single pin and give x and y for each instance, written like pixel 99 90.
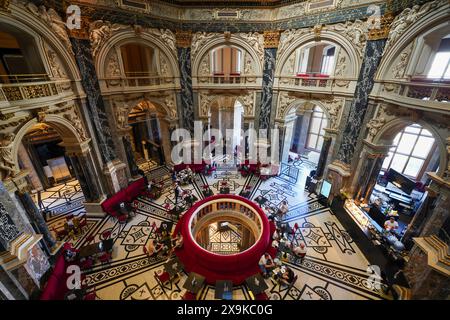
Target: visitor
pixel 300 251
pixel 283 210
pixel 266 263
pixel 174 176
pixel 287 276
pixel 190 174
pixel 391 225
pixel 178 192
pixel 151 249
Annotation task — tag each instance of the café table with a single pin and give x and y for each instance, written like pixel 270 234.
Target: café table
pixel 224 290
pixel 96 248
pixel 256 284
pixel 166 226
pixel 194 282
pixel 173 267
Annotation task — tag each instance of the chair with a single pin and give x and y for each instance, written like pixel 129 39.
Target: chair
pixel 163 277
pixel 106 234
pixel 122 218
pixel 105 257
pixel 87 264
pixel 262 296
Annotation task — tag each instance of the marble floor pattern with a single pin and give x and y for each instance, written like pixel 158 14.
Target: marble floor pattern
pixel 333 269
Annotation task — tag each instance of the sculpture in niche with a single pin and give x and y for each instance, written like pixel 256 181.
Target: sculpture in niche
pixel 248 67
pixel 204 66
pixel 121 115
pixel 7 165
pixel 205 100
pixel 52 18
pixel 166 36
pixel 76 122
pixel 99 32
pixel 247 102
pixel 406 18
pixel 57 70
pixel 341 65
pixel 400 68
pixel 164 66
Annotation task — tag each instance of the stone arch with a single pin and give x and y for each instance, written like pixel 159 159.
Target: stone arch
pixel 128 36
pixel 296 104
pixel 218 41
pixel 430 21
pixel 65 129
pixel 22 19
pixel 327 36
pixel 387 133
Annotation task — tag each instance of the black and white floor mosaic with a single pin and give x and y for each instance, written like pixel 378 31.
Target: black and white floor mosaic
pixel 334 267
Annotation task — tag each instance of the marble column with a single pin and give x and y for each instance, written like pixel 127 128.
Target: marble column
pixel 85 174
pixel 271 41
pixel 359 106
pixel 183 40
pixel 36 218
pixel 323 156
pixel 95 102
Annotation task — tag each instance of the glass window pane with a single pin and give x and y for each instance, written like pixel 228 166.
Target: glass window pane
pixel 423 147
pixel 425 132
pixel 439 65
pixel 413 167
pixel 312 140
pixel 396 139
pixel 315 125
pixel 387 161
pixel 398 162
pixel 406 143
pixel 319 143
pixel 413 129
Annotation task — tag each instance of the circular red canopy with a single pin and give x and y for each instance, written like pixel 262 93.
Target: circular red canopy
pixel 236 267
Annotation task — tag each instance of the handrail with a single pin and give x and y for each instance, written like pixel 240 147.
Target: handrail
pixel 13 92
pixel 30 77
pixel 431 91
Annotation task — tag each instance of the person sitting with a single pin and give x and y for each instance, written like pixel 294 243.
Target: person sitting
pixel 152 249
pixel 391 225
pixel 300 251
pixel 266 263
pixel 287 276
pixel 282 211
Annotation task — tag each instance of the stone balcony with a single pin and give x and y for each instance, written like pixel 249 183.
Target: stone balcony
pixel 227 81
pixel 33 92
pixel 424 95
pixel 344 86
pixel 137 84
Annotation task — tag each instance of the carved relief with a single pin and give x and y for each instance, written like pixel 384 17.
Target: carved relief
pixel 167 36
pixel 333 108
pixel 287 37
pixel 198 40
pixel 51 17
pixel 374 127
pixel 112 65
pixel 283 104
pixel 341 64
pixel 400 68
pixel 121 112
pixel 247 103
pixel 76 123
pixel 255 40
pixel 355 32
pixel 100 31
pixel 165 70
pixel 55 64
pixel 170 104
pixel 205 69
pixel 408 16
pixel 7 165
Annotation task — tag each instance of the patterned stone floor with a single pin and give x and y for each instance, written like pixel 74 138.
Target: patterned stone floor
pixel 334 267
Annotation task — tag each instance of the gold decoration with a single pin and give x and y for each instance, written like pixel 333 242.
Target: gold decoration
pixel 83 32
pixel 227 35
pixel 383 31
pixel 4 5
pixel 7 116
pixel 271 39
pixel 317 30
pixel 183 38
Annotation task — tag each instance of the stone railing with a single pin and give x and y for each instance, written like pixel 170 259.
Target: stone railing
pixel 233 80
pixel 427 91
pixel 134 83
pixel 318 84
pixel 21 93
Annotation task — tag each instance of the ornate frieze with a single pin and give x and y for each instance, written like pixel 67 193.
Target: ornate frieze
pixel 198 41
pixel 355 32
pixel 100 31
pixel 4 5
pixel 255 40
pixel 284 101
pixel 183 38
pixel 400 67
pixel 76 123
pixel 334 109
pixel 246 98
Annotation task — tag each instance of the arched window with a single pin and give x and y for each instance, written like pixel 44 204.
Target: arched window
pixel 411 149
pixel 316 60
pixel 227 61
pixel 138 60
pixel 316 129
pixel 440 68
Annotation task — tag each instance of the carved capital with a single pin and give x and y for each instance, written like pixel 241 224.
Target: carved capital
pixel 183 38
pixel 271 39
pixel 381 31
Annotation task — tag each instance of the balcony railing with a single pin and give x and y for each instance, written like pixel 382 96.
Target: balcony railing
pixel 427 91
pixel 318 83
pixel 27 89
pixel 227 79
pixel 119 83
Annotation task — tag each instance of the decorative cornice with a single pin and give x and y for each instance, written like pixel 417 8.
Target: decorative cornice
pixel 183 38
pixel 271 39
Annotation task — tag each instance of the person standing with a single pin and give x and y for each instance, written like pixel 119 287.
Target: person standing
pixel 178 192
pixel 283 210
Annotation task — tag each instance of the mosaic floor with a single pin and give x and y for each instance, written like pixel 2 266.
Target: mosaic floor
pixel 333 269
